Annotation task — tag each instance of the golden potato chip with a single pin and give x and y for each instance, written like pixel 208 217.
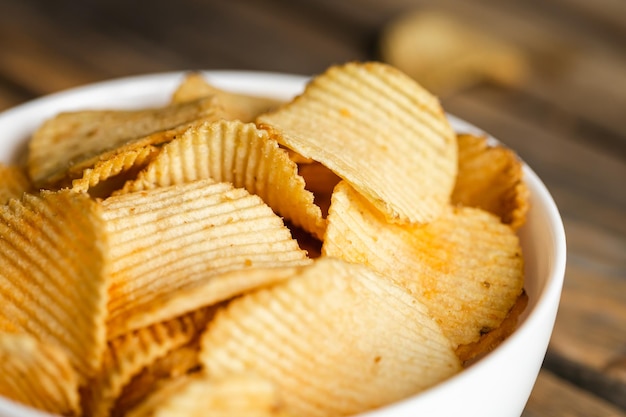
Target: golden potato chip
pixel 170 241
pixel 97 180
pixel 336 339
pixel 200 395
pixel 446 54
pixel 380 131
pixel 489 341
pixel 296 157
pixel 37 374
pixel 128 354
pixel 466 266
pixel 178 362
pixel 53 274
pixel 491 178
pixel 13 183
pixel 236 106
pixel 231 151
pixel 70 142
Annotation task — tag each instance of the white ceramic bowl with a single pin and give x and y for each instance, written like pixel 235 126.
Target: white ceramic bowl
pixel 496 386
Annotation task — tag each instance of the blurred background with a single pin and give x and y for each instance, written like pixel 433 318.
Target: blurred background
pixel 548 78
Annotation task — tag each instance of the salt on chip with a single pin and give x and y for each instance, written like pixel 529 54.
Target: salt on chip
pixel 129 354
pixel 239 153
pixel 169 241
pixel 70 142
pixel 466 266
pixel 38 374
pixel 97 179
pixel 379 130
pixel 201 395
pixel 491 177
pixel 236 106
pixel 54 272
pixel 336 339
pixel 13 182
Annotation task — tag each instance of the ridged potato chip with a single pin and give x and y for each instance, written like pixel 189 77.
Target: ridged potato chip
pixel 491 177
pixel 201 395
pixel 235 106
pixel 107 175
pixel 178 362
pixel 70 142
pixel 336 339
pixel 466 266
pixel 379 130
pixel 489 341
pixel 54 274
pixel 38 374
pixel 13 182
pixel 129 354
pixel 239 153
pixel 173 240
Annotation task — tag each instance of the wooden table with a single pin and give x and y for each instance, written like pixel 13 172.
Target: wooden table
pixel 567 119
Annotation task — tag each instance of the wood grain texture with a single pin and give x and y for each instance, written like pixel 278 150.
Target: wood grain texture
pixel 556 397
pixel 566 119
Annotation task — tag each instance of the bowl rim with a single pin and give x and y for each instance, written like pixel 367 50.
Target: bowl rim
pixel 140 88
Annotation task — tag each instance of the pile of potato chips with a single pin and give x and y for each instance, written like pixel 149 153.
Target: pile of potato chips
pixel 234 255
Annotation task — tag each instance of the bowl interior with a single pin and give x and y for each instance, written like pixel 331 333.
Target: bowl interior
pixel 542 237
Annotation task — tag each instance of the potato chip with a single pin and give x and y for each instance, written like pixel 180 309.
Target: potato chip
pixel 172 240
pixel 53 274
pixel 336 339
pixel 380 131
pixel 446 54
pixel 70 142
pixel 200 395
pixel 491 178
pixel 231 151
pixel 489 341
pixel 13 182
pixel 236 106
pixel 107 175
pixel 466 266
pixel 178 362
pixel 128 354
pixel 37 374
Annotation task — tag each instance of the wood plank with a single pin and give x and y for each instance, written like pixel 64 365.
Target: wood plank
pixel 65 59
pixel 32 63
pixel 555 397
pixel 610 15
pixel 12 95
pixel 588 345
pixel 302 45
pixel 591 324
pixel 285 38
